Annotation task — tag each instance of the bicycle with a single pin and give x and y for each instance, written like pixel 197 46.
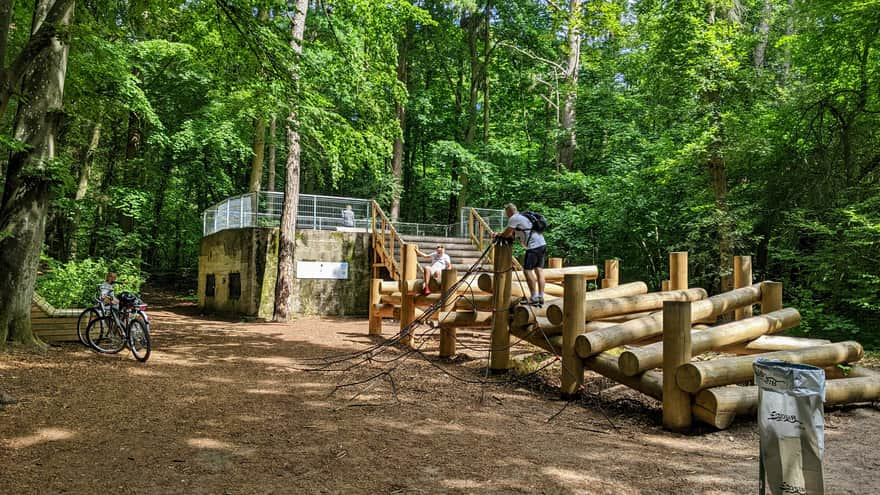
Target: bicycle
pixel 87 316
pixel 128 325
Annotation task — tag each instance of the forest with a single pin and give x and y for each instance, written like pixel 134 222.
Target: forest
pixel 637 127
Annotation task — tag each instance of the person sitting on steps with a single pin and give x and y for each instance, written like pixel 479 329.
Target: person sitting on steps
pixel 520 227
pixel 439 261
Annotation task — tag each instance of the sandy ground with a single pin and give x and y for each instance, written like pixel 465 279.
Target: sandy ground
pixel 225 407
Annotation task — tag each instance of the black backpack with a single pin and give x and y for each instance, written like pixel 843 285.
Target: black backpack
pixel 539 223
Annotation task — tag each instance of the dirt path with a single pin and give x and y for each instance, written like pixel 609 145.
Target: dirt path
pixel 224 408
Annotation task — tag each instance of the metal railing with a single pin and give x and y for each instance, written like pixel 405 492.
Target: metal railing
pixel 263 209
pixel 481 234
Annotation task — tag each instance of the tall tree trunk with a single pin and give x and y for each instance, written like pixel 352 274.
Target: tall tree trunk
pixel 83 187
pixel 287 234
pixel 400 110
pixel 486 56
pixel 258 148
pixel 568 143
pixel 270 179
pixel 25 199
pixel 763 35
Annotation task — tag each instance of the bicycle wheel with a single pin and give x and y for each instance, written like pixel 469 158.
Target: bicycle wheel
pixel 139 339
pixel 87 316
pixel 105 335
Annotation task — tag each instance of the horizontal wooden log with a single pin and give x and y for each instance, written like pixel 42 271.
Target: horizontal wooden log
pixel 719 406
pixel 527 314
pixel 592 343
pixel 465 302
pixel 556 275
pixel 626 317
pixel 469 285
pixel 466 319
pixel 693 377
pixel 649 383
pixel 384 310
pixel 770 343
pixel 598 309
pixel 518 287
pixel 626 290
pixel 531 334
pixel 637 360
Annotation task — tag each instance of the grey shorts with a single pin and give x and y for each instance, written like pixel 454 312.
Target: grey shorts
pixel 535 258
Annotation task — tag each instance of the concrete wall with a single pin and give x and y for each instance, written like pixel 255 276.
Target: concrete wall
pixel 252 253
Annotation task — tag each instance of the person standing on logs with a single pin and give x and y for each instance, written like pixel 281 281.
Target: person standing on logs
pixel 521 228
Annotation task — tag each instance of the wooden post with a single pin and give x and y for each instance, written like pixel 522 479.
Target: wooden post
pixel 664 285
pixel 499 354
pixel 375 299
pixel 447 334
pixel 555 263
pixel 771 297
pixel 612 277
pixel 407 302
pixel 742 277
pixel 678 270
pixel 572 326
pixel 677 409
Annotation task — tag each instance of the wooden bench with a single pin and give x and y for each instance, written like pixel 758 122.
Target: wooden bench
pixel 53 325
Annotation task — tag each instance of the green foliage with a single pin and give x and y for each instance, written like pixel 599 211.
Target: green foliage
pixel 75 284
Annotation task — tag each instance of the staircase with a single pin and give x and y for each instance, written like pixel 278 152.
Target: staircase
pixel 460 250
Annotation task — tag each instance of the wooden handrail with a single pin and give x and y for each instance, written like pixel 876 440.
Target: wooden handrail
pixel 385 239
pixel 481 235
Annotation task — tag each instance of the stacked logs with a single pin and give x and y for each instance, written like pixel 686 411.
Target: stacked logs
pixel 646 341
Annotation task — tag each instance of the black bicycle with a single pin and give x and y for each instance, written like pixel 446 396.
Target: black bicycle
pixel 127 325
pixel 89 315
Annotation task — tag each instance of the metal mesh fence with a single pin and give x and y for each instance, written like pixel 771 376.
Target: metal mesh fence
pixel 263 209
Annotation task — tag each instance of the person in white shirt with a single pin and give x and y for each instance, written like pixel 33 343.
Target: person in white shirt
pixel 520 227
pixel 348 216
pixel 106 290
pixel 439 261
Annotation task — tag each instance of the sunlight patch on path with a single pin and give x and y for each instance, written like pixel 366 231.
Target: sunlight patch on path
pixel 42 435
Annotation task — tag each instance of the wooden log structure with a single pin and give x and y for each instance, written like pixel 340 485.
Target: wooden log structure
pixel 678 270
pixel 742 277
pixel 592 343
pixel 447 332
pixel 407 303
pixel 771 343
pixel 463 302
pixel 625 290
pixel 466 319
pixel 572 326
pixel 53 325
pixel 551 275
pixel 554 263
pixel 468 286
pixel 677 407
pixel 499 351
pixel 771 296
pixel 612 274
pixel 376 307
pixel 636 360
pixel 649 383
pixel 694 377
pixel 597 309
pixel 719 406
pixel 539 337
pixel 379 311
pixel 518 288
